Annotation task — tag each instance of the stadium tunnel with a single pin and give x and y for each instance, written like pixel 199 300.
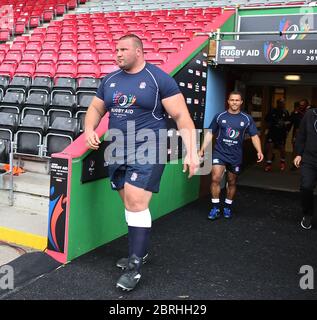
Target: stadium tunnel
pixel 270 55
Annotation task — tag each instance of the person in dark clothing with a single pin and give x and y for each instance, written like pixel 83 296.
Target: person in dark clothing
pixel 295 119
pixel 306 158
pixel 278 123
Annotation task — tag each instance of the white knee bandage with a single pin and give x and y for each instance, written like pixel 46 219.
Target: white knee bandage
pixel 139 219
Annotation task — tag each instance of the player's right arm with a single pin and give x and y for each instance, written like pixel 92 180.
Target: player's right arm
pixel 95 112
pixel 206 142
pixel 214 127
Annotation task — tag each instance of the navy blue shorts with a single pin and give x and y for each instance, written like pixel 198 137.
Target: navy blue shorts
pixel 278 139
pixel 145 176
pixel 233 168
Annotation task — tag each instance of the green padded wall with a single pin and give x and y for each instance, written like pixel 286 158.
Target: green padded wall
pixel 101 219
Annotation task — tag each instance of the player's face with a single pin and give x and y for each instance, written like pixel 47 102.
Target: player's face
pixel 127 54
pixel 302 105
pixel 235 102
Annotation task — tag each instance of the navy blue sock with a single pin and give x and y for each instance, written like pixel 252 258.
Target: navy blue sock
pixel 307 199
pixel 138 241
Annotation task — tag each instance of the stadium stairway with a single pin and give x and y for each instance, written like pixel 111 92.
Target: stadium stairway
pixel 25 222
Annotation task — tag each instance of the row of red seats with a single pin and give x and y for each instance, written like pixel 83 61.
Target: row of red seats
pixel 164 12
pixel 75 52
pixel 72 70
pixel 82 19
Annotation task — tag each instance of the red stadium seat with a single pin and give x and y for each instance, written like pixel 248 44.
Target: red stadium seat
pixel 18 46
pixel 149 20
pixel 107 68
pixel 131 20
pixel 161 36
pixel 68 47
pixel 85 29
pixel 179 27
pixel 71 4
pixel 66 70
pixel 4 35
pixel 143 13
pixel 105 47
pixel 169 47
pixel 4 47
pixel 155 57
pixel 37 37
pixel 54 29
pixel 35 21
pixel 68 37
pixel 177 12
pixel 48 57
pixel 103 37
pixel 144 35
pixel 154 28
pixel 90 57
pixel 182 36
pixel 106 58
pixel 8 68
pixel 34 46
pixel 45 70
pixel 69 29
pixel 86 46
pixel 20 27
pixel 194 11
pixel 12 55
pixel 67 57
pixel 114 21
pixel 162 13
pixel 52 37
pixel 48 14
pixel 30 57
pixel 89 37
pixel 167 20
pixel 60 9
pixel 25 69
pixel 88 70
pixel 50 46
pixel 101 29
pixel 194 26
pixel 127 14
pixel 2 56
pixel 150 46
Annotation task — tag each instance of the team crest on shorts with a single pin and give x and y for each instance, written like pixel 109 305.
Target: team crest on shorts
pixel 142 85
pixel 241 123
pixel 215 161
pixel 237 169
pixel 134 176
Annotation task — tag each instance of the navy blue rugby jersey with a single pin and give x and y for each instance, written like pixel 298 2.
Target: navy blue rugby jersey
pixel 137 97
pixel 229 130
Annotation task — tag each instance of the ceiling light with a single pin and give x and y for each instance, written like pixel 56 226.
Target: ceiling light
pixel 292 77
